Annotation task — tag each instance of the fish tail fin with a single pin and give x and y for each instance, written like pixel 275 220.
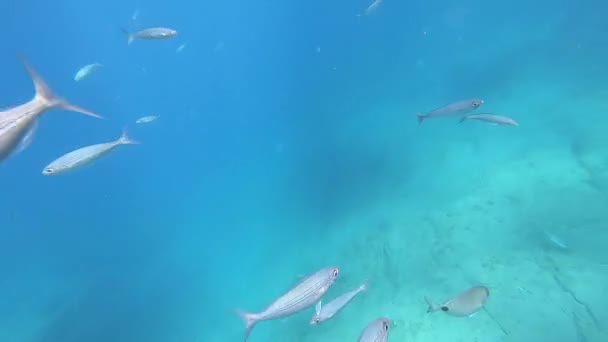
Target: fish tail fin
pixel 250 321
pixel 420 117
pixel 45 93
pixel 364 286
pixel 432 307
pixel 125 140
pixel 130 36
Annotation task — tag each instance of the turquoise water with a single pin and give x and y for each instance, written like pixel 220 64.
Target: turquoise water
pixel 288 142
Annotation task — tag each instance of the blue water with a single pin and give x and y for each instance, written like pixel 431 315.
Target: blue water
pixel 288 142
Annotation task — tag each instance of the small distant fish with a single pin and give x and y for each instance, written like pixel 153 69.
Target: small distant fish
pixel 84 156
pixel 376 331
pixel 456 108
pixel 327 311
pixel 147 119
pixel 135 15
pixel 494 119
pixel 180 48
pixel 302 296
pixel 555 240
pixel 150 33
pixel 464 304
pixel 318 49
pixel 16 122
pixel 85 71
pixel 373 7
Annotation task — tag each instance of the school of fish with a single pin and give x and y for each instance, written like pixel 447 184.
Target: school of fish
pixel 19 124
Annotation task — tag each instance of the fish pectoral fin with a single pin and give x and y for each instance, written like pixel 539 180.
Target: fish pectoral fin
pixel 318 307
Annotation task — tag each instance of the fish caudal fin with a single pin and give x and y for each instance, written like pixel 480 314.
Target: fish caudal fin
pixel 432 307
pixel 250 321
pixel 44 93
pixel 130 37
pixel 125 140
pixel 364 286
pixel 420 117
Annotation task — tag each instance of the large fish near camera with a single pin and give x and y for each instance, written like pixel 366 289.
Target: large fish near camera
pixel 302 296
pixel 376 331
pixel 16 122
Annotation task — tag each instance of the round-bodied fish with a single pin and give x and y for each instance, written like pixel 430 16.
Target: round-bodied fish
pixel 464 304
pixel 302 296
pixel 493 119
pixel 84 156
pixel 85 71
pixel 454 109
pixel 376 331
pixel 329 310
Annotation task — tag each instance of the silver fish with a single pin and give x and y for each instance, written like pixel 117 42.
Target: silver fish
pixel 151 33
pixel 376 331
pixel 493 119
pixel 84 156
pixel 27 139
pixel 456 108
pixel 373 7
pixel 302 296
pixel 466 303
pixel 147 119
pixel 327 311
pixel 85 71
pixel 17 121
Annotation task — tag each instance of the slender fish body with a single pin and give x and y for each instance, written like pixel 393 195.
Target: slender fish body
pixel 151 33
pixel 457 108
pixel 376 331
pixel 373 7
pixel 329 310
pixel 16 122
pixel 85 71
pixel 302 296
pixel 464 304
pixel 493 119
pixel 84 156
pixel 147 119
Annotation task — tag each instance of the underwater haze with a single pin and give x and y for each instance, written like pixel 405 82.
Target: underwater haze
pixel 287 141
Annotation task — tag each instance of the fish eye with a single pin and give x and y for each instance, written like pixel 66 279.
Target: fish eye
pixel 385 324
pixel 49 170
pixel 444 308
pixel 317 319
pixel 336 272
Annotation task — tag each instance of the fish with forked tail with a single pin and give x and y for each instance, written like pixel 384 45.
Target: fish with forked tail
pixel 302 296
pixel 456 108
pixel 16 122
pixel 85 155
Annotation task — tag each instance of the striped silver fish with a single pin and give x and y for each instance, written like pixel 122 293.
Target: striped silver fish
pixel 16 122
pixel 84 156
pixel 302 296
pixel 464 304
pixel 493 119
pixel 329 310
pixel 376 331
pixel 151 33
pixel 456 108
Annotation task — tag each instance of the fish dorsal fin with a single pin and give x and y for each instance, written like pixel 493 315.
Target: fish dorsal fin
pixel 318 307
